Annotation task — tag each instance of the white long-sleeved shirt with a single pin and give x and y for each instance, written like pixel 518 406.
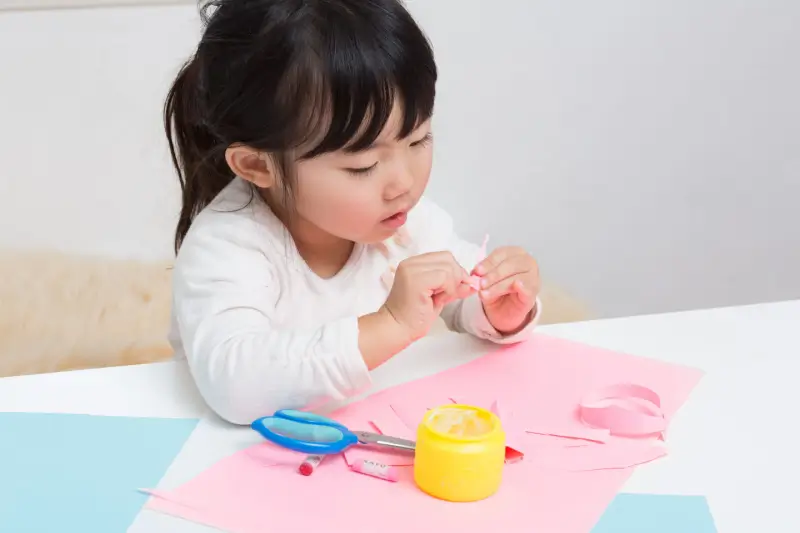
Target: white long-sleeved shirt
pixel 262 332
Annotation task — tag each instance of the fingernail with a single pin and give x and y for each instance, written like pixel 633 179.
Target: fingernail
pixel 484 283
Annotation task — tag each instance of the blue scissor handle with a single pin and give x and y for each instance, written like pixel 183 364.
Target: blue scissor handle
pixel 305 432
pixel 309 418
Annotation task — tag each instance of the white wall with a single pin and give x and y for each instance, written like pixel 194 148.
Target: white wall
pixel 18 5
pixel 653 149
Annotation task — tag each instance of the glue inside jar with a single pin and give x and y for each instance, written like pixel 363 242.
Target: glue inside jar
pixel 460 453
pixel 459 422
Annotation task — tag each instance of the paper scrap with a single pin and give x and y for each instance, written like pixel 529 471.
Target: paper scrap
pixel 541 381
pixel 73 472
pixel 515 449
pixel 513 455
pixel 656 513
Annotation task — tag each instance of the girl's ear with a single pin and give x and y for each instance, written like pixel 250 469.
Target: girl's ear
pixel 252 165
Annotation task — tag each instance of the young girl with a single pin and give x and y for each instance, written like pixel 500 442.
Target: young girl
pixel 307 254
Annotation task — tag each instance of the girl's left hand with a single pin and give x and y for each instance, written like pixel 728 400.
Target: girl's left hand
pixel 509 288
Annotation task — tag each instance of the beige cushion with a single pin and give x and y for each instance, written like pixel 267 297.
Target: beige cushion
pixel 60 312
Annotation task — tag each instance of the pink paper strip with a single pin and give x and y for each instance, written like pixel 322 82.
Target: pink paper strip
pixel 484 244
pixel 475 282
pixel 567 432
pixel 625 409
pixel 388 423
pixel 615 455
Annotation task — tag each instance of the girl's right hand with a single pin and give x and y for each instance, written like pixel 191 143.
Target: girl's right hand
pixel 422 286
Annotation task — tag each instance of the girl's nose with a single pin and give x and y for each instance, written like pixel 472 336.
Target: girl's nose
pixel 401 182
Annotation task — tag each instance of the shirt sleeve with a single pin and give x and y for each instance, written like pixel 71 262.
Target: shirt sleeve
pixel 434 230
pixel 244 365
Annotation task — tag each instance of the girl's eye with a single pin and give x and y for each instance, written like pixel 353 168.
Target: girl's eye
pixel 365 171
pixel 424 141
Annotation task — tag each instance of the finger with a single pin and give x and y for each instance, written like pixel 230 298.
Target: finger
pixel 495 258
pixel 440 300
pixel 453 274
pixel 513 265
pixel 430 257
pixel 522 292
pixel 442 262
pixel 433 259
pixel 513 285
pixel 437 281
pixel 465 290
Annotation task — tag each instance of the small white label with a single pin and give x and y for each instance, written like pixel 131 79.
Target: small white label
pixel 376 469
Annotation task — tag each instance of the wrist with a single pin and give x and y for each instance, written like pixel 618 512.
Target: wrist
pixel 380 337
pixel 509 330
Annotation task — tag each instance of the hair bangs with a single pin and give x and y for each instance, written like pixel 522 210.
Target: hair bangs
pixel 343 92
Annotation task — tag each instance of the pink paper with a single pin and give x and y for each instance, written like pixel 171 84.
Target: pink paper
pixel 542 381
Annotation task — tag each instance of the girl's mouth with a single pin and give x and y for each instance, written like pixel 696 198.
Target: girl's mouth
pixel 395 221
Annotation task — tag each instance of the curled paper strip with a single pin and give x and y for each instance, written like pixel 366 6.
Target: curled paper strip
pixel 475 281
pixel 624 409
pixel 485 242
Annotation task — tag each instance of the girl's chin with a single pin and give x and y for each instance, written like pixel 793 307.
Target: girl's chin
pixel 377 237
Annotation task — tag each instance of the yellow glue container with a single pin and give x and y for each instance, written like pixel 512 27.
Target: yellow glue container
pixel 460 453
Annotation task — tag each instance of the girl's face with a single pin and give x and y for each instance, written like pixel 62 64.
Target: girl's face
pixel 365 196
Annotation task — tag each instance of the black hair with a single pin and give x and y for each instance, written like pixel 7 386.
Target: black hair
pixel 277 75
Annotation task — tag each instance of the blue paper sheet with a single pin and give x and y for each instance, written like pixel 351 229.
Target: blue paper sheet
pixel 81 473
pixel 656 513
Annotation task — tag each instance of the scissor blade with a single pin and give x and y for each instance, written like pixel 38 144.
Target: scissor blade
pixel 376 439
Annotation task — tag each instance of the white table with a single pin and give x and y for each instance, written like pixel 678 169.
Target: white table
pixel 734 441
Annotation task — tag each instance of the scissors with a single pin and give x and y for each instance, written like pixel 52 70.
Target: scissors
pixel 315 434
